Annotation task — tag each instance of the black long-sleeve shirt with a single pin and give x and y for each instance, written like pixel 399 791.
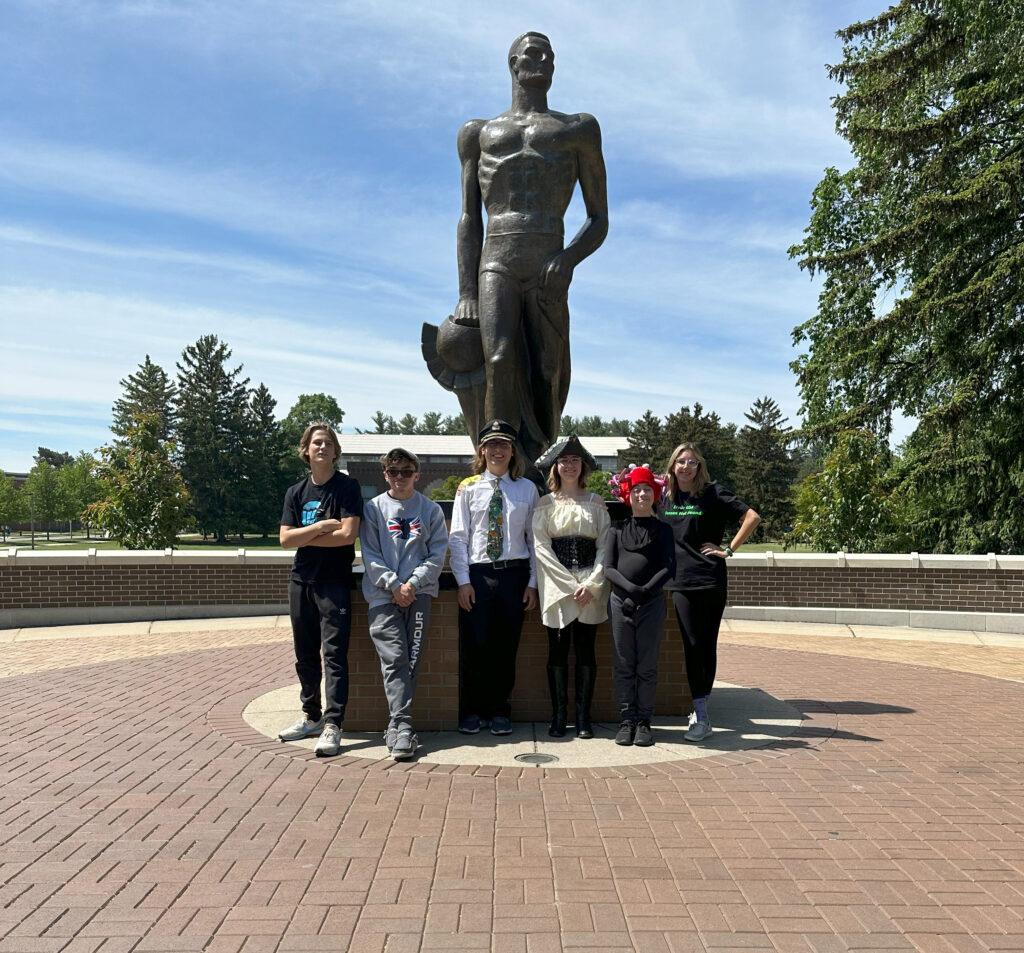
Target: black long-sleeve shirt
pixel 639 558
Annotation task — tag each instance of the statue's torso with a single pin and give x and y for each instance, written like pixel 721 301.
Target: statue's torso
pixel 527 172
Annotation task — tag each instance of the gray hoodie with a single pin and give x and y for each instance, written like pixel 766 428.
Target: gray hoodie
pixel 401 541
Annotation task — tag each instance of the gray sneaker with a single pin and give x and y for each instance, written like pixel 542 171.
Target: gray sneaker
pixel 699 730
pixel 303 728
pixel 389 738
pixel 405 744
pixel 329 742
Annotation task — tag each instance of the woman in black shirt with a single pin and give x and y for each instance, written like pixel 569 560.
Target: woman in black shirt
pixel 638 562
pixel 698 510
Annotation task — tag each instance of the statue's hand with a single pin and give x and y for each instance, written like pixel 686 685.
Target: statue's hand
pixel 556 278
pixel 467 312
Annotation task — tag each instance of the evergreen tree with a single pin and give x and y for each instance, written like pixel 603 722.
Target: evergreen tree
pixel 11 504
pixel 715 440
pixel 42 495
pixel 594 426
pixel 409 424
pixel 310 408
pixel 646 437
pixel 148 391
pixel 269 463
pixel 211 409
pixel 382 423
pixel 144 501
pixel 454 426
pixel 920 246
pixel 765 469
pixel 53 458
pixel 431 423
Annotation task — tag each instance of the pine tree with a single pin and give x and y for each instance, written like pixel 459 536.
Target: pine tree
pixel 920 245
pixel 53 458
pixel 431 423
pixel 382 423
pixel 211 410
pixel 765 469
pixel 148 391
pixel 408 424
pixel 454 426
pixel 645 440
pixel 269 466
pixel 715 440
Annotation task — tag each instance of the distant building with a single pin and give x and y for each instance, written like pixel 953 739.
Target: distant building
pixel 17 478
pixel 440 457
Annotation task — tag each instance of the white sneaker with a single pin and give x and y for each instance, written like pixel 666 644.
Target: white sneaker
pixel 329 742
pixel 303 728
pixel 698 731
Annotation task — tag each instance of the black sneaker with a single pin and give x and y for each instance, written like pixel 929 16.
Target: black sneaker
pixel 626 731
pixel 644 737
pixel 470 725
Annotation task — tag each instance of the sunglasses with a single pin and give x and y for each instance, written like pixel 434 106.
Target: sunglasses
pixel 395 473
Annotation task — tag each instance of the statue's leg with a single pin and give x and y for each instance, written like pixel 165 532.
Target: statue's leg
pixel 501 316
pixel 547 340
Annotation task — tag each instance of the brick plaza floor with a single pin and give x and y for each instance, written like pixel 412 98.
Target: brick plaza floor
pixel 138 811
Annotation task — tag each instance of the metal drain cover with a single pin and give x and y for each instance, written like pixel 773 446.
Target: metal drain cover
pixel 536 759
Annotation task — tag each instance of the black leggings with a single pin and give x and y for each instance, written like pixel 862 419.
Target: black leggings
pixel 559 640
pixel 699 614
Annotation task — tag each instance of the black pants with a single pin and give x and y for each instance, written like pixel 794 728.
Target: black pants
pixel 321 623
pixel 699 613
pixel 559 640
pixel 489 639
pixel 636 640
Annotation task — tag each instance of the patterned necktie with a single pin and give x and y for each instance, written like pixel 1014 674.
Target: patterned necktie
pixel 495 524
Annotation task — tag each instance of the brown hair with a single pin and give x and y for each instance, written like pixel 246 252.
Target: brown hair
pixel 701 479
pixel 307 436
pixel 399 455
pixel 554 481
pixel 515 468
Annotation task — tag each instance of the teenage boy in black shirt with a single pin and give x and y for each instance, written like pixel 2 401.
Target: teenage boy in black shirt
pixel 320 520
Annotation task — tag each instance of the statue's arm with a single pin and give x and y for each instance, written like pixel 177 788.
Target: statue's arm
pixel 470 235
pixel 594 187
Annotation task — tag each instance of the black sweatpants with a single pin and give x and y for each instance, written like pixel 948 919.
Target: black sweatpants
pixel 321 624
pixel 559 640
pixel 699 614
pixel 636 640
pixel 489 639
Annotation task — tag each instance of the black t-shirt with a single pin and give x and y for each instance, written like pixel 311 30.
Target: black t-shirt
pixel 695 522
pixel 306 503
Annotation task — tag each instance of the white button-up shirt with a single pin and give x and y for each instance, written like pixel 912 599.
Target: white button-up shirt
pixel 467 540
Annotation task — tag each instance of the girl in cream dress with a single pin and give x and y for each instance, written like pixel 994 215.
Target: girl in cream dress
pixel 570 528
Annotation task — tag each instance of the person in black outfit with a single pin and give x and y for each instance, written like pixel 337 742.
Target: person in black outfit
pixel 698 510
pixel 320 520
pixel 639 560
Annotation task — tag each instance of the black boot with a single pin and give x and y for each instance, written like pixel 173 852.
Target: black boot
pixel 586 676
pixel 558 686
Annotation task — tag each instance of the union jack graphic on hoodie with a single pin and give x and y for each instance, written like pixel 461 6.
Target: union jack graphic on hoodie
pixel 405 529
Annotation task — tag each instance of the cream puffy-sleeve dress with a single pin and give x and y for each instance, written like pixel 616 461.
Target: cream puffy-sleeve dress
pixel 556 516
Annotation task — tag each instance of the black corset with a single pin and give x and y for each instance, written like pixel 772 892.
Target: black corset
pixel 575 552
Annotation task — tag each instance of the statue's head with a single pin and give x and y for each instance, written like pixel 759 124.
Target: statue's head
pixel 531 60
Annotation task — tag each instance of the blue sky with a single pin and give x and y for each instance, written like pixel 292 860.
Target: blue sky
pixel 284 175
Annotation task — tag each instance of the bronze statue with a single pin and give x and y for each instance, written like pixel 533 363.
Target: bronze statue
pixel 505 350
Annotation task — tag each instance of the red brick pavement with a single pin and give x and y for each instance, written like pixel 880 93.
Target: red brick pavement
pixel 136 815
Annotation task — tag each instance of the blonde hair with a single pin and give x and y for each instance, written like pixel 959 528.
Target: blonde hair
pixel 307 437
pixel 515 468
pixel 554 481
pixel 700 480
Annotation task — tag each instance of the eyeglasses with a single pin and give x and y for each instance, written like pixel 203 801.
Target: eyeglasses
pixel 569 461
pixel 395 473
pixel 689 464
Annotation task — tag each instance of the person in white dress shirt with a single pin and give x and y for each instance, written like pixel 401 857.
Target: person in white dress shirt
pixel 570 528
pixel 491 544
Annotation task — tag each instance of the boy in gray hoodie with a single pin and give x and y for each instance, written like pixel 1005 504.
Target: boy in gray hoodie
pixel 403 542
